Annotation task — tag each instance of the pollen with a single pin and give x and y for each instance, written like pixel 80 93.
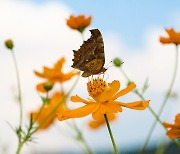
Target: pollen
pixel 96 87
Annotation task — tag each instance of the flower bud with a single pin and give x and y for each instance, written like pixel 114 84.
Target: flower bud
pixel 48 86
pixel 9 44
pixel 117 62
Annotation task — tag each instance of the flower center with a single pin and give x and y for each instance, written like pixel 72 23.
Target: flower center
pixel 96 87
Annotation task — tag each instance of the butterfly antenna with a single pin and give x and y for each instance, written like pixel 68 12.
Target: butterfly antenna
pixel 109 64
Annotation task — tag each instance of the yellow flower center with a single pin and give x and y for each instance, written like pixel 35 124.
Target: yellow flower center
pixel 96 87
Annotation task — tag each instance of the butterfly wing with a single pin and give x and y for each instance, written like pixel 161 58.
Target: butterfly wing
pixel 90 57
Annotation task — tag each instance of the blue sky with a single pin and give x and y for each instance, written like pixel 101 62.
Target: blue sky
pixel 128 19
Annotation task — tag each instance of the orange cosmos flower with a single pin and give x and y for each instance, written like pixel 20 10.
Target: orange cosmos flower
pixel 54 74
pixel 103 100
pixel 94 124
pixel 56 98
pixel 174 129
pixel 174 37
pixel 79 23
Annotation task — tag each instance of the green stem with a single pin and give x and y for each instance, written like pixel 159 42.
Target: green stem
pixel 19 86
pixel 19 147
pixel 25 138
pixel 151 110
pixel 81 138
pixel 111 135
pixel 125 75
pixel 30 133
pixel 164 101
pixel 57 106
pixel 37 116
pixel 142 97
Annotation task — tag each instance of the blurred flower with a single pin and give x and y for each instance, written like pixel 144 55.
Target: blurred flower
pixel 174 129
pixel 54 74
pixel 174 37
pixel 94 124
pixel 9 44
pixel 79 23
pixel 103 102
pixel 41 114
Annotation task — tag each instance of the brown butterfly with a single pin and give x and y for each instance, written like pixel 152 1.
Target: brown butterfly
pixel 90 57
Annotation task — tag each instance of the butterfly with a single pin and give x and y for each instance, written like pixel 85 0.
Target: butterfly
pixel 90 57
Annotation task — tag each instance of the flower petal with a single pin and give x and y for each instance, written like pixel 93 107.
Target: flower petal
pixel 59 64
pixel 130 87
pixel 77 113
pixel 177 119
pixel 111 91
pixel 40 88
pixel 139 105
pixel 167 125
pixel 94 124
pixel 165 40
pixel 79 99
pixel 44 112
pixel 110 107
pixel 173 133
pixel 106 108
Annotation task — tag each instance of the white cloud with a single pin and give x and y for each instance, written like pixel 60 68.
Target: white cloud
pixel 41 37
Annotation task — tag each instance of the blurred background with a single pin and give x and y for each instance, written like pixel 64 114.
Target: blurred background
pixel 131 31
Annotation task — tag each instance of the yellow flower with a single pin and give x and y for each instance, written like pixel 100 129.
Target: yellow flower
pixel 174 37
pixel 79 23
pixel 54 74
pixel 174 129
pixel 94 124
pixel 104 100
pixel 56 98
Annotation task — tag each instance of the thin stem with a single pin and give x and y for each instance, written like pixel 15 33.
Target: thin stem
pixel 44 103
pixel 142 97
pixel 57 106
pixel 125 75
pixel 37 116
pixel 164 101
pixel 111 135
pixel 19 86
pixel 151 110
pixel 30 133
pixel 81 138
pixel 19 147
pixel 25 138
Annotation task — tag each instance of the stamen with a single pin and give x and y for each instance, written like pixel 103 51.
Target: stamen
pixel 96 87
